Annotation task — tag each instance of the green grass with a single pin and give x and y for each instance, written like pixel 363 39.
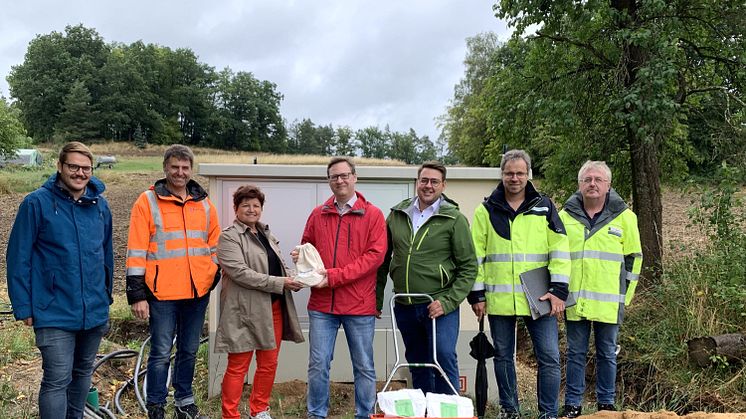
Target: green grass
pixel 16 342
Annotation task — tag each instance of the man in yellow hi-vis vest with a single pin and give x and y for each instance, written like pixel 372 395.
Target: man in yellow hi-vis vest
pixel 515 230
pixel 606 260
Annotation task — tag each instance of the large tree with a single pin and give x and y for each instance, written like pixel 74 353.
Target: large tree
pixel 52 65
pixel 626 81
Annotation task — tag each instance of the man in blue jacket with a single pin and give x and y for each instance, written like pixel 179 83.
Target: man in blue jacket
pixel 60 265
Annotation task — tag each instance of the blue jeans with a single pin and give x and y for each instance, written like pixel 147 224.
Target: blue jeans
pixel 359 331
pixel 605 335
pixel 67 361
pixel 545 338
pixel 183 318
pixel 417 333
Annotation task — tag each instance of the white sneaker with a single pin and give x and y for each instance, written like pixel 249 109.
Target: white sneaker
pixel 262 415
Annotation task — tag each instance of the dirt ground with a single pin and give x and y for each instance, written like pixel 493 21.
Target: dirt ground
pixel 122 192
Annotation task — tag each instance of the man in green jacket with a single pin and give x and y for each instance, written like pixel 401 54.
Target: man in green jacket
pixel 430 251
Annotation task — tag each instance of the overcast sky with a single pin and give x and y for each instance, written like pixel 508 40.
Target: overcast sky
pixel 344 62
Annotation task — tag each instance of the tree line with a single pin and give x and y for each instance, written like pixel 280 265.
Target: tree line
pixel 74 85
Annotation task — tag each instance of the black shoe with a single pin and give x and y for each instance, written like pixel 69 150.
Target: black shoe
pixel 155 411
pixel 603 406
pixel 189 411
pixel 507 414
pixel 570 411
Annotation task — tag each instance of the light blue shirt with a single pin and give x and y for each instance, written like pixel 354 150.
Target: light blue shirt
pixel 344 208
pixel 420 217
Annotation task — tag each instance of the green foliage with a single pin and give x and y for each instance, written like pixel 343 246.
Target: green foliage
pixel 702 295
pixel 79 120
pixel 12 133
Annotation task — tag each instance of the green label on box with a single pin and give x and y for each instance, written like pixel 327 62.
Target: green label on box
pixel 448 410
pixel 403 407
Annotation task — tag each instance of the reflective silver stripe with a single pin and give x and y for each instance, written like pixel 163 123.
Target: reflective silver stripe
pixel 199 251
pixel 518 257
pixel 530 257
pixel 197 234
pixel 557 254
pixel 136 253
pixel 206 206
pixel 135 271
pixel 214 259
pixel 496 257
pixel 560 278
pixel 504 288
pixel 597 254
pixel 599 296
pixel 162 236
pixel 632 277
pixel 166 254
pixel 155 212
pixel 635 255
pixel 478 286
pixel 214 249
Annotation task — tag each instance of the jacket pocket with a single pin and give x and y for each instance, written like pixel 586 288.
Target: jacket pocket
pixel 47 294
pixel 444 277
pixel 155 280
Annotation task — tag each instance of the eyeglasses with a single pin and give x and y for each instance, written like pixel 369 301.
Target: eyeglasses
pixel 73 168
pixel 343 176
pixel 519 175
pixel 435 182
pixel 593 179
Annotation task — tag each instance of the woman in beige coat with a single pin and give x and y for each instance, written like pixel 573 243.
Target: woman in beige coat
pixel 256 305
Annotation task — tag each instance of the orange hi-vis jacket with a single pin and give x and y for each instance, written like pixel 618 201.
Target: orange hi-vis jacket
pixel 171 246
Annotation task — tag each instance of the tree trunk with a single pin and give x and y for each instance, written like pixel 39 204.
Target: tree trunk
pixel 646 194
pixel 646 176
pixel 731 346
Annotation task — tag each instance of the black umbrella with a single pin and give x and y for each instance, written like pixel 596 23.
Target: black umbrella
pixel 481 350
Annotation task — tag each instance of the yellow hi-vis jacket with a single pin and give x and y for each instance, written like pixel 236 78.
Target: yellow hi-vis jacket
pixel 171 245
pixel 509 243
pixel 606 259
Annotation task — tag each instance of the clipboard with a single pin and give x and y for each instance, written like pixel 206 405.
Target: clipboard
pixel 535 284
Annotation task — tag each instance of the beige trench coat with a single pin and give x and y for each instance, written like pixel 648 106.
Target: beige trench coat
pixel 245 300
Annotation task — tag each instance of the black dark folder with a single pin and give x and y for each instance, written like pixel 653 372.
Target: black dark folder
pixel 535 284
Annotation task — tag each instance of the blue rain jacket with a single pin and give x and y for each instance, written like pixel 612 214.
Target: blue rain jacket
pixel 60 258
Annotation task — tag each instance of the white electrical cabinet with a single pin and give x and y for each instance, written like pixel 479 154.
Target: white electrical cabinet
pixel 291 193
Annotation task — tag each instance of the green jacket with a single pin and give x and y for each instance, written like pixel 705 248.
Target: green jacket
pixel 439 260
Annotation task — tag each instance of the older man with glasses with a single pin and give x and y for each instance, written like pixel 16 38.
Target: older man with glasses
pixel 606 261
pixel 430 252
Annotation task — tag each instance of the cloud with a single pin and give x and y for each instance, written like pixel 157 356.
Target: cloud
pixel 344 62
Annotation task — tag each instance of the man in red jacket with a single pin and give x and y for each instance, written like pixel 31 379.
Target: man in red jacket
pixel 350 235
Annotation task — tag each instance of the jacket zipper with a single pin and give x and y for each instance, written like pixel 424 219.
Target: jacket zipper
pixel 195 293
pixel 334 259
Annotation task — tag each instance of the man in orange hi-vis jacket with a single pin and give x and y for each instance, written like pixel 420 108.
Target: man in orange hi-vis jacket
pixel 171 269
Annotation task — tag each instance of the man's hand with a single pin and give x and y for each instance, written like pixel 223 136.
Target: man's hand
pixel 378 314
pixel 479 309
pixel 294 254
pixel 141 310
pixel 435 310
pixel 324 282
pixel 558 306
pixel 29 321
pixel 291 285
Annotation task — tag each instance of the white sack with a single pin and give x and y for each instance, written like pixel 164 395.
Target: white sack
pixel 402 403
pixel 449 406
pixel 308 262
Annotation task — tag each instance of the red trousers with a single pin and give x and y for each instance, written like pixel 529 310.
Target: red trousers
pixel 264 377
